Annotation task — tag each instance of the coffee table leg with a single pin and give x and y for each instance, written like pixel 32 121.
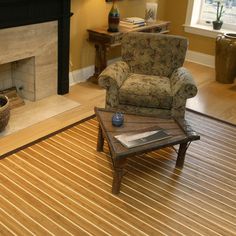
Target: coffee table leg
pixel 118 174
pixel 100 141
pixel 181 155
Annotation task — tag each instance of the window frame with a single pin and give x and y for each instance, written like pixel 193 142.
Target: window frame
pixel 191 23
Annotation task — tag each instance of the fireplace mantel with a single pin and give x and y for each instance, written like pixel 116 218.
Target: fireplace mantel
pixel 24 12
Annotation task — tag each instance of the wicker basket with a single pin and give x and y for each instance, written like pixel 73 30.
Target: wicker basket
pixel 4 112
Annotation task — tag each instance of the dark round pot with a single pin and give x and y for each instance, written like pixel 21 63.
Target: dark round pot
pixel 217 24
pixel 4 112
pixel 230 35
pixel 225 58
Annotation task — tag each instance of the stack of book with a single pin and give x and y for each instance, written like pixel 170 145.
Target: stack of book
pixel 132 22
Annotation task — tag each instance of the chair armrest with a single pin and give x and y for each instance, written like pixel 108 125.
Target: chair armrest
pixel 182 83
pixel 114 75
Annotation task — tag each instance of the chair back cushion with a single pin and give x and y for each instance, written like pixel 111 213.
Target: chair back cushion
pixel 153 53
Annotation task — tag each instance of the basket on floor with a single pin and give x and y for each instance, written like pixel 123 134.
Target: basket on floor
pixel 4 112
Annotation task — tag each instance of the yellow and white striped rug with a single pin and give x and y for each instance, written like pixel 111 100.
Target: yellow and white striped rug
pixel 62 186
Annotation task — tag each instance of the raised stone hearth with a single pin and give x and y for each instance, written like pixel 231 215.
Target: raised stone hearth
pixel 28 59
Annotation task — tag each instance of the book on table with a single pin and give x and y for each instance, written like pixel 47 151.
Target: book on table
pixel 134 139
pixel 132 22
pixel 131 25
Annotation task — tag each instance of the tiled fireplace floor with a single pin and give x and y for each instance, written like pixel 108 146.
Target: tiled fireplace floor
pixel 34 112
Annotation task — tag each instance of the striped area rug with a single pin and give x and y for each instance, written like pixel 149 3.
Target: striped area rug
pixel 62 186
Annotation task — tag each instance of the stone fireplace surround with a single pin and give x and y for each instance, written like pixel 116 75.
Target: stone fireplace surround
pixel 15 14
pixel 29 55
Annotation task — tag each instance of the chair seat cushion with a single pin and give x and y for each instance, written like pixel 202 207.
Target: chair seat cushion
pixel 146 91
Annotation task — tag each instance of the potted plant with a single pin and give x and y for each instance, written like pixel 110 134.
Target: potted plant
pixel 219 12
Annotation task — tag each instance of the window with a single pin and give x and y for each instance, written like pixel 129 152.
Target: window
pixel 208 12
pixel 201 13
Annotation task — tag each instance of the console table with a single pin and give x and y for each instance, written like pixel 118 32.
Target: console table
pixel 104 41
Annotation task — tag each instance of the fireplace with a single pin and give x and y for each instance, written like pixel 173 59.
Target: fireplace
pixel 22 20
pixel 29 61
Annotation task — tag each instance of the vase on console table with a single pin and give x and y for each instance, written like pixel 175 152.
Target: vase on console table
pixel 113 18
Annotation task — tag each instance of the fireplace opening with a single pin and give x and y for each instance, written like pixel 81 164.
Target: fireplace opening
pixel 19 75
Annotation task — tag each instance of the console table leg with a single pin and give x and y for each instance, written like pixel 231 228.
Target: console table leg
pixel 100 141
pixel 181 155
pixel 118 174
pixel 100 61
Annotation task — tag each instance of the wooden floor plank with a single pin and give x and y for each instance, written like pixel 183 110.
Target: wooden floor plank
pixel 44 201
pixel 11 225
pixel 195 200
pixel 64 200
pixel 139 214
pixel 134 222
pixel 190 175
pixel 165 175
pixel 15 206
pixel 62 186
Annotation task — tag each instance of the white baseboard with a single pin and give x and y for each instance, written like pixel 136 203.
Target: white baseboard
pixel 200 58
pixel 81 75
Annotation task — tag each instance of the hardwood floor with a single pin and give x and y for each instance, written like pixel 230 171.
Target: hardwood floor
pixel 214 99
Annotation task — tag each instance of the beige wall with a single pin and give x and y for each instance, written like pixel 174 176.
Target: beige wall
pixel 175 11
pixel 93 13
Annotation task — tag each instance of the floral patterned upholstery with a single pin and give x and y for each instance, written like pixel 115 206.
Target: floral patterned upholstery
pixel 153 91
pixel 150 78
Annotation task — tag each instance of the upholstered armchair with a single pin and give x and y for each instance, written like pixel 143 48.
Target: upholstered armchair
pixel 150 78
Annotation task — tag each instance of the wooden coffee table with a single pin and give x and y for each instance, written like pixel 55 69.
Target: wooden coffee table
pixel 181 133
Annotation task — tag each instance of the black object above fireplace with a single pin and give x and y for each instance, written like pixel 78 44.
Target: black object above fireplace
pixel 24 12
